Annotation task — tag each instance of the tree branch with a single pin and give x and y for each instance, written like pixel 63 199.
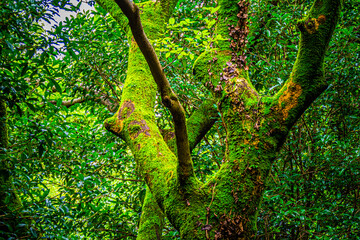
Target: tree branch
pixel 105 78
pixel 168 7
pixel 151 220
pixel 69 103
pixel 103 98
pixel 307 79
pixel 169 98
pixel 199 123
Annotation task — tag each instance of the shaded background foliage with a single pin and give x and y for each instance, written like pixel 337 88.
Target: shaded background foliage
pixel 77 181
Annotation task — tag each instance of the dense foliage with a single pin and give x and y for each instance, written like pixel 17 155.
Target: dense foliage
pixel 78 181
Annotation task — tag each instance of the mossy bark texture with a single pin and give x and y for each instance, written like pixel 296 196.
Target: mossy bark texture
pixel 151 220
pixel 226 207
pixel 10 203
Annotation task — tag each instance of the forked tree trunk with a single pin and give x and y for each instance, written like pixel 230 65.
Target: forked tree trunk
pixel 227 206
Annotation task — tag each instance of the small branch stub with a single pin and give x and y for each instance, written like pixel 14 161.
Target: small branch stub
pixel 311 25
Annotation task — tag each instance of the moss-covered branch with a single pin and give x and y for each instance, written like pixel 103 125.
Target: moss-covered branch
pixel 307 79
pixel 169 98
pixel 227 15
pixel 151 220
pixel 199 123
pixel 135 121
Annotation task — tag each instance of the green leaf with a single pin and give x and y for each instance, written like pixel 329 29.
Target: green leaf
pixel 24 70
pixel 215 10
pixel 57 86
pixel 31 106
pixel 10 45
pixel 8 72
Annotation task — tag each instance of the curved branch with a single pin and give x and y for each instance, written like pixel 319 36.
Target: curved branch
pixel 201 121
pixel 307 79
pixel 169 98
pixel 69 103
pixel 112 105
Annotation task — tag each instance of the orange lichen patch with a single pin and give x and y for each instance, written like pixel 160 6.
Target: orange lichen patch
pixel 254 142
pixel 312 25
pixel 138 127
pixel 267 145
pixel 114 125
pixel 321 19
pixel 118 127
pixel 289 98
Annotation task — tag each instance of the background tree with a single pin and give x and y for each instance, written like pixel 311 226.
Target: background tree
pixel 24 49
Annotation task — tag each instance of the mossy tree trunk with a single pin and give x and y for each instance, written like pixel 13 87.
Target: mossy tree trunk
pixel 226 207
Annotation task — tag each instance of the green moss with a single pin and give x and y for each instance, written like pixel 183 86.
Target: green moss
pixel 227 16
pixel 153 20
pixel 201 121
pixel 207 68
pixel 151 220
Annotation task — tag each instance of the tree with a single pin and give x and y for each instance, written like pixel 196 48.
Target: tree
pixel 77 180
pixel 256 125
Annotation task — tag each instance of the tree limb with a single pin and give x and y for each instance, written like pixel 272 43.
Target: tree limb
pixel 199 123
pixel 112 106
pixel 169 98
pixel 307 79
pixel 151 220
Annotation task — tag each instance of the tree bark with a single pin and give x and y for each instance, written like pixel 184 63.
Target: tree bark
pixel 226 207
